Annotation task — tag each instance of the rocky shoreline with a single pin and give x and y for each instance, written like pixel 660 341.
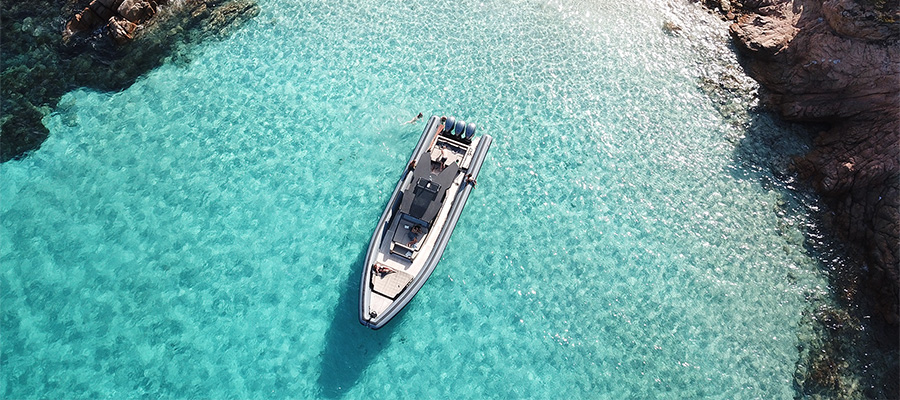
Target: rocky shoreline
pixel 53 46
pixel 834 66
pixel 837 64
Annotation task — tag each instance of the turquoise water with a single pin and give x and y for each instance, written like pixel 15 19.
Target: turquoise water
pixel 200 234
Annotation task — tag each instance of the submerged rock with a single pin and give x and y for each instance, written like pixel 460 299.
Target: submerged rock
pixel 671 27
pixel 120 18
pixel 837 63
pixel 50 47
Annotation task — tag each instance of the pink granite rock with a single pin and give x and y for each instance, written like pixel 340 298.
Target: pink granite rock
pixel 121 30
pixel 838 63
pixel 137 11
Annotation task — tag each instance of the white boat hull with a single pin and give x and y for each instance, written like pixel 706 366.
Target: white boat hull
pixel 395 270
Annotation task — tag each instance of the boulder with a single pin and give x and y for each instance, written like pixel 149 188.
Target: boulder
pixel 137 11
pixel 121 30
pixel 103 11
pixel 763 35
pixel 110 4
pixel 85 21
pixel 95 15
pixel 849 18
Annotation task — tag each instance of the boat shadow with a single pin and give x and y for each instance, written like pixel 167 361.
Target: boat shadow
pixel 349 346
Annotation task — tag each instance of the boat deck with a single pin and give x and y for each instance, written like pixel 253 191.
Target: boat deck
pixel 395 251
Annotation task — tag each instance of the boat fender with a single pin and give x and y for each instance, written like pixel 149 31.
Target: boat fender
pixel 448 126
pixel 460 126
pixel 470 131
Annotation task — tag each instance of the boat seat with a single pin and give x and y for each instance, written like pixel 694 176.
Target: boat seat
pixel 424 194
pixel 422 170
pixel 402 250
pixel 392 284
pixel 455 158
pixel 437 155
pixel 445 157
pixel 404 227
pixel 444 180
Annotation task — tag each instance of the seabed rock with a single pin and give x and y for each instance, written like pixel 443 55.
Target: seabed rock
pixel 835 64
pixel 50 47
pixel 671 27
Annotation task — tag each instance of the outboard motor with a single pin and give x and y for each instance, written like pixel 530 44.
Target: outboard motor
pixel 470 131
pixel 448 126
pixel 460 126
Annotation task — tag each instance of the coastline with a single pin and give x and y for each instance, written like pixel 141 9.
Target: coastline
pixel 837 66
pixel 825 316
pixel 834 67
pixel 43 58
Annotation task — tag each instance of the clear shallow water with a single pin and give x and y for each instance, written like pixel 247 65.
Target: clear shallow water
pixel 200 234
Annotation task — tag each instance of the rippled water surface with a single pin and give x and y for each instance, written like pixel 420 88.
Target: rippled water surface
pixel 200 234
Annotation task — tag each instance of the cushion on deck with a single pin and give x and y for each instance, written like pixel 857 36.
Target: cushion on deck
pixel 390 285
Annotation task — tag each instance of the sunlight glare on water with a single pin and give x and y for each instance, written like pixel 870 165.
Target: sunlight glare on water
pixel 200 234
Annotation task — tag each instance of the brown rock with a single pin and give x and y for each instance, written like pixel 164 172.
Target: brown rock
pixel 95 15
pixel 765 36
pixel 114 14
pixel 121 30
pixel 110 4
pixel 813 73
pixel 848 18
pixel 104 12
pixel 85 21
pixel 838 63
pixel 137 11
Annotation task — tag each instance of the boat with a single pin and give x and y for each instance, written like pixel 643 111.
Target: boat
pixel 420 216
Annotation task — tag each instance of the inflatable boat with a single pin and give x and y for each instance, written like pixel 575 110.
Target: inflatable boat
pixel 416 225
